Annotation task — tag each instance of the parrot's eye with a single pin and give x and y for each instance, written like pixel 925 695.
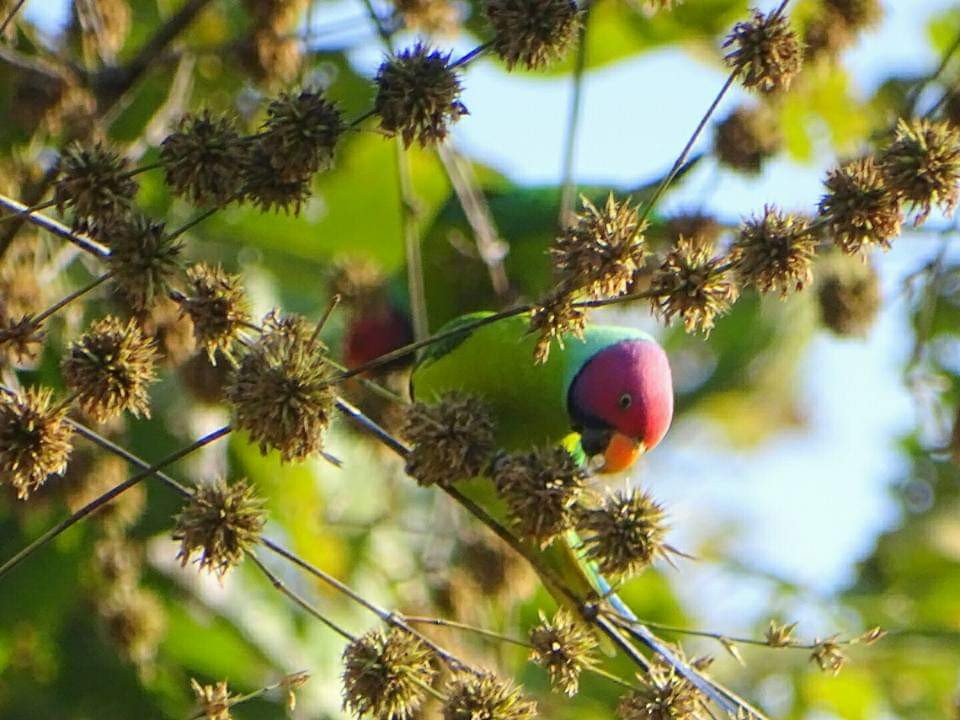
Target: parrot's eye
pixel 625 401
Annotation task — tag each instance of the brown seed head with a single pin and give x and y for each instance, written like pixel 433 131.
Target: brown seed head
pixel 110 368
pixel 218 308
pixel 922 165
pixel 144 259
pixel 220 521
pixel 95 183
pixel 281 392
pixel 486 697
pixel 693 285
pixel 666 695
pixel 766 53
pixel 825 36
pixel 541 489
pixel 34 439
pixel 451 440
pixel 418 95
pixel 532 33
pixel 779 635
pixel 171 330
pixel 20 337
pixel 116 562
pixel 563 646
pixel 829 655
pixel 600 253
pixel 300 134
pixel 625 534
pixel 700 229
pixel 278 15
pixel 848 292
pixel 555 318
pixel 859 208
pixel 266 189
pixel 203 159
pixel 384 675
pixel 746 138
pixel 774 252
pixel 136 622
pixel 213 701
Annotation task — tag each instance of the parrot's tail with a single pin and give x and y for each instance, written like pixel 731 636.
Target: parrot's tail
pixel 732 704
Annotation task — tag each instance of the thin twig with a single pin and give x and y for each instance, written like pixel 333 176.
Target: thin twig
pixel 441 622
pixel 567 184
pixel 11 15
pixel 71 297
pixel 107 497
pixel 27 211
pixel 85 242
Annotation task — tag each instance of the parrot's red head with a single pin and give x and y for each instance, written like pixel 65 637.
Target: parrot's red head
pixel 621 401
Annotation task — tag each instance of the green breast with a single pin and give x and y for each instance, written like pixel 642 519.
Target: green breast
pixel 495 363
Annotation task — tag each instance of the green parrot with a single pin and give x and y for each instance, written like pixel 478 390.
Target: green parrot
pixel 607 398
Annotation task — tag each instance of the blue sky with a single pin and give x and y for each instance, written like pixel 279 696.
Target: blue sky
pixel 777 505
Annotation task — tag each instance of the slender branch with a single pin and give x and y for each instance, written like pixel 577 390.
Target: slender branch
pixel 568 186
pixel 84 242
pixel 469 57
pixel 441 622
pixel 914 96
pixel 107 497
pixel 71 297
pixel 279 585
pixel 27 211
pixel 194 221
pixel 682 158
pixel 411 241
pixel 11 15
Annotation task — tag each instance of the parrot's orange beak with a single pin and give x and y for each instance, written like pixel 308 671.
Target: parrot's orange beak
pixel 622 451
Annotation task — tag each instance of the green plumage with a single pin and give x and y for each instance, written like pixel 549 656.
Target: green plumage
pixel 528 401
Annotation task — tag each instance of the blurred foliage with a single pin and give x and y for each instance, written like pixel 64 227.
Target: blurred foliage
pixel 406 547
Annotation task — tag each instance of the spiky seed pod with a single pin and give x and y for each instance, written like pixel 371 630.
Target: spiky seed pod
pixel 922 165
pixel 693 285
pixel 700 229
pixel 218 308
pixel 90 475
pixel 20 338
pixel 553 318
pixel 746 138
pixel 601 252
pixel 856 15
pixel 213 701
pixel 563 646
pixel 432 17
pixel 774 252
pixel 281 392
pixel 532 33
pixel 95 183
pixel 300 134
pixel 779 635
pixel 266 189
pixel 666 695
pixel 384 675
pixel 35 440
pixel 848 292
pixel 135 620
pixel 540 488
pixel 766 53
pixel 203 159
pixel 625 534
pixel 451 439
pixel 110 368
pixel 221 521
pixel 859 208
pixel 270 57
pixel 472 697
pixel 145 260
pixel 828 655
pixel 418 95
